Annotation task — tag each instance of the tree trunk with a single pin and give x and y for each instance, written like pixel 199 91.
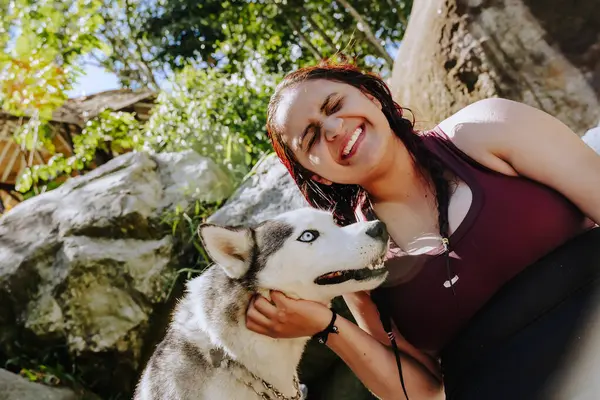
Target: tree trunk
pixel 545 53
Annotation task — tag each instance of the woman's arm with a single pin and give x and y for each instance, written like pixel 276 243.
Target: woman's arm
pixel 366 315
pixel 375 365
pixel 372 362
pixel 510 136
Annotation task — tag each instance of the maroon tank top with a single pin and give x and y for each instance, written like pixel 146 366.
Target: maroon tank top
pixel 512 222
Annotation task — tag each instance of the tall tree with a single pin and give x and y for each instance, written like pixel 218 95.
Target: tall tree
pixel 42 42
pixel 543 53
pixel 280 35
pixel 45 44
pixel 366 29
pixel 129 54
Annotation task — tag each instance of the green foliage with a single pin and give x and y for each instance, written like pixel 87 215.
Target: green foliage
pixel 48 367
pixel 130 55
pixel 221 116
pixel 42 41
pixel 110 132
pixel 279 34
pixel 183 226
pixel 43 374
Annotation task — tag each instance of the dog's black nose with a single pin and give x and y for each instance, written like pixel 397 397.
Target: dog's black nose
pixel 377 230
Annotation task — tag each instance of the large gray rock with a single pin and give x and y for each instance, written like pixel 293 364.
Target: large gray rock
pixel 84 268
pixel 14 387
pixel 267 192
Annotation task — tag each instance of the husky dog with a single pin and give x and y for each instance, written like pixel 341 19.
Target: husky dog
pixel 208 353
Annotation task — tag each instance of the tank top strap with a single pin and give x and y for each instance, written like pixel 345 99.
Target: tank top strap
pixel 472 173
pixel 454 158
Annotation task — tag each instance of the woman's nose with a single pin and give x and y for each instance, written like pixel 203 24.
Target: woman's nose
pixel 332 127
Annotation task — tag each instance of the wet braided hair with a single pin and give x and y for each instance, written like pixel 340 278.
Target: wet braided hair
pixel 342 200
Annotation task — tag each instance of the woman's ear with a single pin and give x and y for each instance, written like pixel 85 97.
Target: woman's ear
pixel 374 100
pixel 324 181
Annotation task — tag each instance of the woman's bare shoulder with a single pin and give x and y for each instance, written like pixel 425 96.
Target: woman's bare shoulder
pixel 475 129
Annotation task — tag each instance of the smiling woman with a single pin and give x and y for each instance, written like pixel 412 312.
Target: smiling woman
pixel 475 208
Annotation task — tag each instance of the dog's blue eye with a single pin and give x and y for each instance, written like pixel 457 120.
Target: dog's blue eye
pixel 308 236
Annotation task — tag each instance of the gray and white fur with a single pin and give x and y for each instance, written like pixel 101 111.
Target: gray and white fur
pixel 208 353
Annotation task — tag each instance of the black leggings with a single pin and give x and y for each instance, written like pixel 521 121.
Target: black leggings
pixel 539 337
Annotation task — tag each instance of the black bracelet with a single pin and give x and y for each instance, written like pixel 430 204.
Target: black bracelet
pixel 331 328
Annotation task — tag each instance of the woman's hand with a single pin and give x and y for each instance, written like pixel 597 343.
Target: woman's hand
pixel 285 317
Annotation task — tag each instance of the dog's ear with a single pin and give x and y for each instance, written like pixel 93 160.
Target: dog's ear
pixel 229 247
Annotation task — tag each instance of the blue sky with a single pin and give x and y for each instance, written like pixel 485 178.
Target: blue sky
pixel 95 80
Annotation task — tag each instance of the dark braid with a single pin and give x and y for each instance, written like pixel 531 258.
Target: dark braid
pixel 441 186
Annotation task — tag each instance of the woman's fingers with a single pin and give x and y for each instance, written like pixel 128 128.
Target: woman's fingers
pixel 265 307
pixel 256 317
pixel 285 317
pixel 257 328
pixel 263 317
pixel 281 300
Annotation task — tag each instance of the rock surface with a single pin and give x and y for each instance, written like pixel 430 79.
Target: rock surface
pixel 456 52
pixel 267 192
pixel 86 267
pixel 15 387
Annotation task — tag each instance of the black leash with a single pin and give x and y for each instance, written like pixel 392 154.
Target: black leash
pixel 386 322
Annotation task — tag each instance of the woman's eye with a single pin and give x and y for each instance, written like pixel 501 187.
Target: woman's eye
pixel 312 141
pixel 336 106
pixel 308 236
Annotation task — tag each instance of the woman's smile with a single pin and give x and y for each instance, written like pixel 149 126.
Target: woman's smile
pixel 352 142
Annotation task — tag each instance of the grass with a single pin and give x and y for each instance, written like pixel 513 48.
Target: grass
pixel 183 226
pixel 52 367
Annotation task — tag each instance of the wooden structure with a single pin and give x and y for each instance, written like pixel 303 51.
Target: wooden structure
pixel 67 122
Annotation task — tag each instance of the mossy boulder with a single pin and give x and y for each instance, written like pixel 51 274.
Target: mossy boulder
pixel 85 269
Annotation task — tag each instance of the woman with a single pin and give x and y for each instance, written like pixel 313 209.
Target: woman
pixel 465 203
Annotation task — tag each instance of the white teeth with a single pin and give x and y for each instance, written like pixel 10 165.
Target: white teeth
pixel 378 265
pixel 352 140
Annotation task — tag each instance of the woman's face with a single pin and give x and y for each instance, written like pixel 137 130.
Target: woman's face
pixel 335 130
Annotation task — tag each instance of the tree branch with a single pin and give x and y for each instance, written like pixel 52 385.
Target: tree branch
pixel 302 36
pixel 141 62
pixel 368 33
pixel 320 31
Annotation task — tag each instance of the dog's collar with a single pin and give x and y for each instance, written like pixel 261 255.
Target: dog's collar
pixel 270 393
